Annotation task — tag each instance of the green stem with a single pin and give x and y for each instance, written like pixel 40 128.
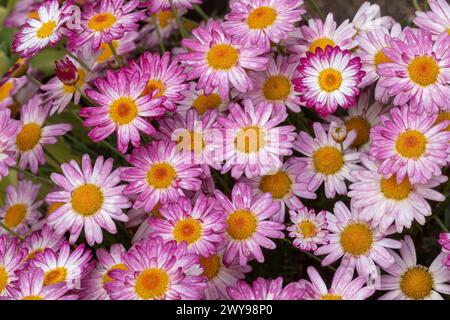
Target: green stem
pixel 52 158
pixel 114 52
pixel 80 62
pixel 201 12
pixel 32 176
pixel 183 31
pixel 34 80
pixel 416 5
pixel 10 231
pixel 85 97
pixel 316 7
pixel 440 223
pixel 158 33
pixel 110 147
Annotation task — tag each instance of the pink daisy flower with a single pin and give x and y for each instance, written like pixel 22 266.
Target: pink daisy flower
pixel 356 241
pixel 309 229
pixel 9 128
pixel 164 5
pixel 157 270
pixel 263 289
pixel 40 240
pixel 105 21
pixel 444 241
pixel 92 199
pixel 285 186
pixel 11 256
pixel 437 21
pixel 368 17
pixel 410 145
pixel 33 135
pixel 386 201
pixel 250 141
pixel 165 77
pixel 121 108
pixel 418 73
pixel 46 28
pixel 217 59
pixel 8 88
pixel 328 79
pixel 124 45
pixel 327 161
pixel 343 286
pixel 21 11
pixel 93 285
pixel 21 210
pixel 198 100
pixel 159 173
pixel 274 85
pixel 140 218
pixel 262 22
pixel 408 280
pixel 248 225
pixel 191 221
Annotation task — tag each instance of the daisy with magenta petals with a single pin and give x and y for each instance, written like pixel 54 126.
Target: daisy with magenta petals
pixel 263 289
pixel 40 240
pixel 11 255
pixel 437 21
pixel 444 241
pixel 368 17
pixel 198 100
pixel 9 128
pixel 164 5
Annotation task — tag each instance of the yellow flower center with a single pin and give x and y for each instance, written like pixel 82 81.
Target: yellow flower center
pixel 278 184
pixel 222 57
pixel 381 58
pixel 5 90
pixel 123 111
pixel 15 215
pixel 204 103
pixel 423 70
pixel 87 199
pixel 80 81
pixel 356 239
pixel 277 88
pixel 164 18
pixel 33 254
pixel 241 224
pixel 189 230
pixel 56 275
pixel 417 282
pixel 329 296
pixel 53 207
pixel 28 137
pixel 106 52
pixel 161 175
pixel 328 160
pixel 443 116
pixel 211 266
pixel 32 298
pixel 106 278
pixel 152 283
pixel 191 141
pixel 307 229
pixel 250 139
pixel 362 128
pixel 3 279
pixel 411 144
pixel 330 80
pixel 46 29
pixel 33 14
pixel 320 43
pixel 101 21
pixel 153 85
pixel 261 17
pixel 393 190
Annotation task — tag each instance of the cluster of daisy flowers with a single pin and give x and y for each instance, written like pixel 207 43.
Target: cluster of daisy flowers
pixel 169 153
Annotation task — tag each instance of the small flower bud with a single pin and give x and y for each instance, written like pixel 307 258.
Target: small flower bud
pixel 19 69
pixel 338 132
pixel 67 72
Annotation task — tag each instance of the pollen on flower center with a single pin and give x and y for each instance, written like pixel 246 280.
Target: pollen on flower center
pixel 329 296
pixel 32 297
pixel 250 139
pixel 154 85
pixel 261 17
pixel 328 160
pixel 443 116
pixel 152 284
pixel 87 199
pixel 241 224
pixel 106 278
pixel 106 52
pixel 222 57
pixel 161 175
pixel 15 215
pixel 362 128
pixel 417 282
pixel 307 229
pixel 189 230
pixel 191 141
pixel 330 80
pixel 320 43
pixel 411 144
pixel 28 137
pixel 278 184
pixel 423 70
pixel 204 103
pixel 46 29
pixel 3 279
pixel 164 18
pixel 211 266
pixel 56 275
pixel 101 21
pixel 53 207
pixel 80 81
pixel 277 88
pixel 356 239
pixel 393 190
pixel 381 58
pixel 5 90
pixel 123 111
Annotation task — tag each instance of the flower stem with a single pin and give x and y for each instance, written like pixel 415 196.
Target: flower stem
pixel 183 31
pixel 316 7
pixel 158 33
pixel 114 150
pixel 10 231
pixel 34 80
pixel 114 52
pixel 33 176
pixel 85 97
pixel 201 12
pixel 416 5
pixel 80 62
pixel 440 223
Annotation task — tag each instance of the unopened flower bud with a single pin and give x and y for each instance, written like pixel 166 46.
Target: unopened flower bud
pixel 19 69
pixel 67 72
pixel 338 132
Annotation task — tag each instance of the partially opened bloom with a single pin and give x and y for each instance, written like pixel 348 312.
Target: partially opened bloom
pixel 40 240
pixel 202 102
pixel 262 22
pixel 9 128
pixel 21 210
pixel 368 17
pixel 164 5
pixel 157 270
pixel 121 108
pixel 356 241
pixel 218 60
pixel 437 20
pixel 248 224
pixel 408 280
pixel 410 145
pixel 328 79
pixel 33 135
pixel 92 199
pixel 343 286
pixel 11 256
pixel 264 289
pixel 418 73
pixel 159 173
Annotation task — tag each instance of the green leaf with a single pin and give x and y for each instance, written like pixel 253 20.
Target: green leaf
pixel 45 60
pixel 4 63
